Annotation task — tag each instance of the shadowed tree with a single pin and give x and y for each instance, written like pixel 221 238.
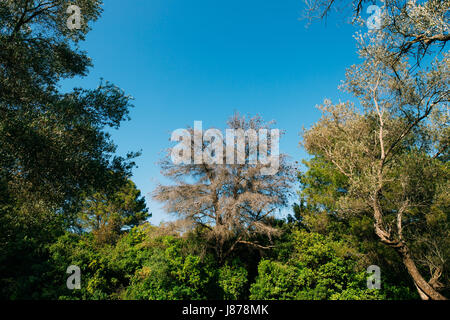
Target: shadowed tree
pixel 415 28
pixel 53 144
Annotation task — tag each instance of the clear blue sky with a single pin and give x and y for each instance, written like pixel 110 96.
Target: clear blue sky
pixel 202 60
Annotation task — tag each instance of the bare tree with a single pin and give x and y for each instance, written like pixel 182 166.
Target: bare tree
pixel 232 201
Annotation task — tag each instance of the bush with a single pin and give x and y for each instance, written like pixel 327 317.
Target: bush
pixel 233 280
pixel 168 275
pixel 316 270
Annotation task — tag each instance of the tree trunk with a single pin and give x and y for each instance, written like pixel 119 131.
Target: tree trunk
pixel 426 291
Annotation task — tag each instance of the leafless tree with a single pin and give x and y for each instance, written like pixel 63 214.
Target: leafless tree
pixel 232 202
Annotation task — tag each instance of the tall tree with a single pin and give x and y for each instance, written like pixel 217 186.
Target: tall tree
pixel 234 201
pixel 53 146
pixel 393 151
pixel 394 148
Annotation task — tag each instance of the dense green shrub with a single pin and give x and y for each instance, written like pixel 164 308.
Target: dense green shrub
pixel 317 269
pixel 168 275
pixel 232 280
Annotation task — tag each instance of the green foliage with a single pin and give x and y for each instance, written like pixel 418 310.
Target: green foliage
pixel 163 278
pixel 54 150
pixel 52 144
pixel 145 263
pixel 323 186
pixel 107 214
pixel 170 275
pixel 275 281
pixel 96 278
pixel 318 269
pixel 232 280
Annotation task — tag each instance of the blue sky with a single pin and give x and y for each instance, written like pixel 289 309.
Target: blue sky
pixel 202 60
